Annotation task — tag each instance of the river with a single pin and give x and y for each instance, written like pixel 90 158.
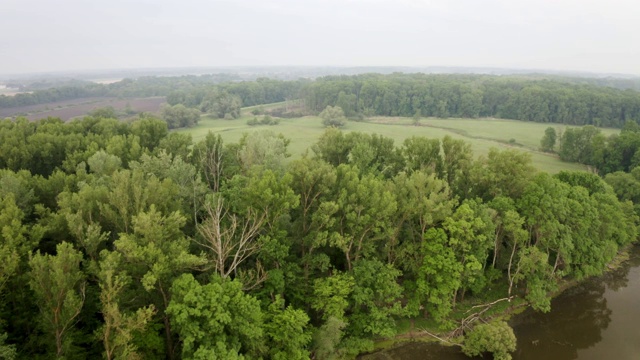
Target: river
pixel 597 319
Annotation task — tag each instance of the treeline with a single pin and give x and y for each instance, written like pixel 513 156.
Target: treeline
pixel 122 240
pixel 141 87
pixel 52 95
pixel 473 96
pixel 572 101
pixel 261 91
pixel 616 158
pixel 588 145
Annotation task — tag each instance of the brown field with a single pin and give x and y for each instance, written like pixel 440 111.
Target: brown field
pixel 70 109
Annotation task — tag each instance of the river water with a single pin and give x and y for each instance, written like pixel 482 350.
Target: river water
pixel 598 319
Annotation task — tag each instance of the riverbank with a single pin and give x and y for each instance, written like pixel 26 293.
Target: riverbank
pixel 422 330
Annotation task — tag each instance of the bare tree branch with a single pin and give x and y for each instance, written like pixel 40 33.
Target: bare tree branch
pixel 229 241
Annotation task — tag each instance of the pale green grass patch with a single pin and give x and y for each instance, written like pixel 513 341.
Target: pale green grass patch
pixel 482 134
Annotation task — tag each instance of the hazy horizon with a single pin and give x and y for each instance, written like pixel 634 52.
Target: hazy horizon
pixel 40 36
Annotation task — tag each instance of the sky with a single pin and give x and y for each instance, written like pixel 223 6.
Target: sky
pixel 574 35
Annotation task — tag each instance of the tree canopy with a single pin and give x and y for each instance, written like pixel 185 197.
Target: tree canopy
pixel 125 240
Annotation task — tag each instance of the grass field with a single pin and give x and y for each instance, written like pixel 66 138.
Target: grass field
pixel 482 134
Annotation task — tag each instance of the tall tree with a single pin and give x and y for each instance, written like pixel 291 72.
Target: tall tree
pixel 59 287
pixel 470 230
pixel 118 329
pixel 156 253
pixel 365 211
pixel 548 142
pixel 439 276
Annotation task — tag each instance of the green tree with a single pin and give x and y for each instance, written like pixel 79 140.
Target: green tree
pixel 312 181
pixel 582 145
pixel 16 239
pixel 155 254
pixel 533 266
pixel 150 131
pixel 332 147
pixel 217 320
pixel 424 202
pixel 286 332
pixel 470 231
pixel 420 153
pixel 548 141
pixel 456 158
pixel 176 144
pixel 416 117
pixel 439 276
pixel 221 104
pixel 179 116
pixel 107 112
pixel 365 214
pixel 376 300
pixel 326 340
pixel 7 352
pixel 496 337
pixel 502 173
pixel 263 148
pixel 209 156
pixel 59 287
pixel 331 295
pixel 333 117
pixel 119 327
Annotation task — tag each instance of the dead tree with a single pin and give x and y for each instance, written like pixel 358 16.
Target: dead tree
pixel 229 241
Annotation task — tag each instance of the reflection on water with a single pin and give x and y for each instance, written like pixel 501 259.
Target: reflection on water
pixel 578 318
pixel 598 319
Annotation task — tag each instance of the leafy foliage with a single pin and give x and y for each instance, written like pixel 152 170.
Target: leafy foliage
pixel 333 116
pixel 495 337
pixel 179 116
pixel 149 246
pixel 217 320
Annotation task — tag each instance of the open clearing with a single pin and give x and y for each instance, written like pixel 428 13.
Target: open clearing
pixel 482 134
pixel 70 109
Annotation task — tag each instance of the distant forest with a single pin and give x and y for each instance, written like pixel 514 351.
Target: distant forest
pixel 604 102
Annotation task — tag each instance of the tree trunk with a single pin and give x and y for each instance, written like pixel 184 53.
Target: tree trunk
pixel 59 350
pixel 169 339
pixel 167 325
pixel 557 262
pixel 495 247
pixel 513 251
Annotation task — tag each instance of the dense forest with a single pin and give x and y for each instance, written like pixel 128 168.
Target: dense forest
pixel 552 99
pixel 141 87
pixel 472 96
pixel 124 240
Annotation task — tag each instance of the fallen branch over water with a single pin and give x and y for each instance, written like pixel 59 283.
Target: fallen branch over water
pixel 466 323
pixel 439 338
pixel 488 305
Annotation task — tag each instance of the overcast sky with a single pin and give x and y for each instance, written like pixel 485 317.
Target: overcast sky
pixel 582 35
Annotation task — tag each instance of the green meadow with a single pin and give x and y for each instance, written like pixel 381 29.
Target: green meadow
pixel 482 134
